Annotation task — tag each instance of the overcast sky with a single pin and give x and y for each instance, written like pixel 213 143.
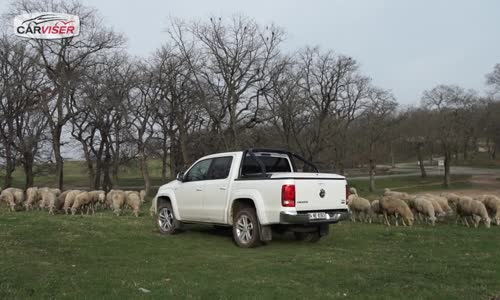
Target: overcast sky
pixel 405 46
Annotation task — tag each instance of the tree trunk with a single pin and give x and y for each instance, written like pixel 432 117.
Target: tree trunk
pixel 107 183
pixel 423 173
pixel 10 166
pixel 183 137
pixel 447 175
pixel 164 158
pixel 28 169
pixel 372 175
pixel 56 144
pixel 144 169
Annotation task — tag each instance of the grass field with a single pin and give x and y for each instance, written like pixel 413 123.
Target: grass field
pixel 109 257
pixel 104 256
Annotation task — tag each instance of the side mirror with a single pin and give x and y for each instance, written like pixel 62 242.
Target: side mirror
pixel 180 176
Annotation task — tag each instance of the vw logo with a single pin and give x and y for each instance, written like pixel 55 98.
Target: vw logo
pixel 322 193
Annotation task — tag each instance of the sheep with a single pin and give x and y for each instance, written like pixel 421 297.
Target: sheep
pixel 439 212
pixel 397 207
pixel 451 197
pixel 44 203
pixel 359 206
pixel 398 195
pixel 32 197
pixel 376 208
pixel 50 199
pixel 442 201
pixel 134 201
pixel 468 207
pixel 70 199
pixel 422 205
pixel 116 200
pixel 353 191
pixel 13 197
pixel 492 204
pixel 81 200
pixel 96 197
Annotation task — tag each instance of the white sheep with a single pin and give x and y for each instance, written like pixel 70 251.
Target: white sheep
pixel 396 195
pixel 116 199
pixel 442 201
pixel 32 197
pixel 376 211
pixel 392 206
pixel 13 197
pixel 353 191
pixel 468 207
pixel 359 206
pixel 421 205
pixel 134 201
pixel 44 202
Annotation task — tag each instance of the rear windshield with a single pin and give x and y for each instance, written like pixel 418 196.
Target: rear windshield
pixel 272 164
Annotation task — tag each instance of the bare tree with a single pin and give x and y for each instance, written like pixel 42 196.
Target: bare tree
pixel 230 67
pixel 451 105
pixel 374 125
pixel 64 60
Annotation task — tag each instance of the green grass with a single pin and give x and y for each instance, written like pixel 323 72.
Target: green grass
pixel 108 257
pixel 75 175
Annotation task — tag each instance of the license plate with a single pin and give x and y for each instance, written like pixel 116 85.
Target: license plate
pixel 317 215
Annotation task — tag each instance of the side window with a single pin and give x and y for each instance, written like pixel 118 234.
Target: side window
pixel 198 171
pixel 220 168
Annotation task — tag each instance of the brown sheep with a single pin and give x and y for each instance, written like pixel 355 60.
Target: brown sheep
pixel 70 199
pixel 492 204
pixel 468 207
pixel 82 200
pixel 396 207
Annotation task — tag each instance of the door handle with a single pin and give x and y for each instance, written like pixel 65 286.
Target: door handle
pixel 222 188
pixel 199 189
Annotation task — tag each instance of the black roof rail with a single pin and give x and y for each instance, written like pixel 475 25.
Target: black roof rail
pixel 251 152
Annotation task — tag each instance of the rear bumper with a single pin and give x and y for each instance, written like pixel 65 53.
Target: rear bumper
pixel 332 216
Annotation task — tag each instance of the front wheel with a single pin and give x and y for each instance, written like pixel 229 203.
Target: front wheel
pixel 246 228
pixel 166 221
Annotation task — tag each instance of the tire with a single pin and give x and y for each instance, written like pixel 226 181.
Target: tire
pixel 311 237
pixel 166 221
pixel 246 233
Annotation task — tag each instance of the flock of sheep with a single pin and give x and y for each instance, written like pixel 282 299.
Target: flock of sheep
pixel 72 200
pixel 425 208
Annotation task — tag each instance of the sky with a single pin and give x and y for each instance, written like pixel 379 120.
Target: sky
pixel 404 46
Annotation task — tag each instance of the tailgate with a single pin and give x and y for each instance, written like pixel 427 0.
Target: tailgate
pixel 320 194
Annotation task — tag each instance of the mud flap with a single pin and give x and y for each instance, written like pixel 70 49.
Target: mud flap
pixel 266 234
pixel 324 230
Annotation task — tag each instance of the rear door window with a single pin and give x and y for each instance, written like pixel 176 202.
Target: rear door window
pixel 273 165
pixel 220 167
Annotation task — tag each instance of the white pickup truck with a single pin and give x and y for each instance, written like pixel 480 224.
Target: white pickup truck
pixel 255 192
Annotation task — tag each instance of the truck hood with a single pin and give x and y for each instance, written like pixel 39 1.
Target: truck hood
pixel 170 185
pixel 308 175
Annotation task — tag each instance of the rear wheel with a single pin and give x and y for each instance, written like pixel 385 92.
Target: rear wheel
pixel 166 221
pixel 311 237
pixel 246 228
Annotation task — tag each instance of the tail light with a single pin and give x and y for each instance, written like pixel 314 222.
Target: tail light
pixel 288 195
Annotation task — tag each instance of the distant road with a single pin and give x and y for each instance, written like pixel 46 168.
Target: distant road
pixel 410 170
